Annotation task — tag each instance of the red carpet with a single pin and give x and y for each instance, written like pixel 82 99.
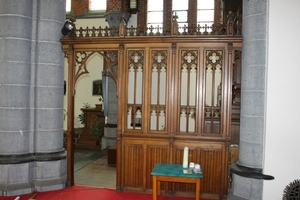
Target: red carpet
pixel 89 193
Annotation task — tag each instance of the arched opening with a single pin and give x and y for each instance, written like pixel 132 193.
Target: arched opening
pixel 91 80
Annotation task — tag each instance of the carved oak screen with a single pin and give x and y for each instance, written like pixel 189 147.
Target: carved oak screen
pixel 208 115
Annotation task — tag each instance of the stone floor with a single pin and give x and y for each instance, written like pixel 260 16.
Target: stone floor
pixel 91 169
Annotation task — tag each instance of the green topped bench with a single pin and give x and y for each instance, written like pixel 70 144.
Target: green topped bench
pixel 173 173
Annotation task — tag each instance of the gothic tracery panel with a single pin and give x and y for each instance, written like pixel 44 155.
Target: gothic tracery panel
pixel 135 88
pixel 213 90
pixel 158 89
pixel 189 67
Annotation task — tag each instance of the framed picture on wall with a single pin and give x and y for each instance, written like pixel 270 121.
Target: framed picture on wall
pixel 97 87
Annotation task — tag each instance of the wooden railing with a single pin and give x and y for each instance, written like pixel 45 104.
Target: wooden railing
pixel 232 27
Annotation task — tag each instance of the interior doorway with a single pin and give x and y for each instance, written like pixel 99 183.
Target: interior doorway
pixel 88 162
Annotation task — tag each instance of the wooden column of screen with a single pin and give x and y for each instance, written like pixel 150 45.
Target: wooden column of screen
pixel 121 92
pixel 70 116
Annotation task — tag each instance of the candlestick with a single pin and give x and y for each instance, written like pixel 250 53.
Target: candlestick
pixel 185 157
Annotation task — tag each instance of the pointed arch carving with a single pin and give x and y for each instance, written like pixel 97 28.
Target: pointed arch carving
pixel 110 67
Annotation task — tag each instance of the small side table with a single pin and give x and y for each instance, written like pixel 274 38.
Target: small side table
pixel 173 173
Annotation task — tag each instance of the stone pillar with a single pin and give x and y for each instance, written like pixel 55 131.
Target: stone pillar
pixel 110 129
pixel 247 172
pixel 32 157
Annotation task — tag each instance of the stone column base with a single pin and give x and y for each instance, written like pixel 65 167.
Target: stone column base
pixel 110 136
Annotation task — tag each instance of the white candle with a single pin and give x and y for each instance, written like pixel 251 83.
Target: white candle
pixel 185 157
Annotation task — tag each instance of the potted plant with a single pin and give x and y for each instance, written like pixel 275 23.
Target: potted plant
pixel 96 131
pixel 81 115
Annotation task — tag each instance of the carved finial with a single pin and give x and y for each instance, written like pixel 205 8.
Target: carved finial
pixel 174 17
pixel 123 19
pixel 122 27
pixel 230 16
pixel 174 30
pixel 229 28
pixel 72 19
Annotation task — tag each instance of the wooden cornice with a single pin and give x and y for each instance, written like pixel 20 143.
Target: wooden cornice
pixel 115 41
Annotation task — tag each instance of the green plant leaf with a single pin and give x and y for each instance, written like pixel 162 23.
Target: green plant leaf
pixel 81 115
pixel 96 131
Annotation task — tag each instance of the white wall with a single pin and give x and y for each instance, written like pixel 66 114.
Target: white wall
pixel 90 22
pixel 84 87
pixel 282 143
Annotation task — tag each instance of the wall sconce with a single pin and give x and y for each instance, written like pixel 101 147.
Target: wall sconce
pixel 133 5
pixel 68 28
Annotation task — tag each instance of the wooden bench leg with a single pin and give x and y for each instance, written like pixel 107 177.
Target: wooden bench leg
pixel 154 188
pixel 158 187
pixel 198 189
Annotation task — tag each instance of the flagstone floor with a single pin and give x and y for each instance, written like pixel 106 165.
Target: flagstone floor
pixel 91 169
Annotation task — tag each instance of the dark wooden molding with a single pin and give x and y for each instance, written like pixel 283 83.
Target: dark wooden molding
pixel 32 157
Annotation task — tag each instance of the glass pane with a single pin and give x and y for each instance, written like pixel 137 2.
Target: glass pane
pixel 162 85
pixel 193 85
pixel 153 119
pixel 155 13
pixel 205 15
pixel 154 85
pixel 97 5
pixel 180 5
pixel 131 83
pixel 161 120
pixel 68 6
pixel 184 85
pixel 139 85
pixel 155 17
pixel 208 84
pixel 182 16
pixel 133 4
pixel 155 6
pixel 205 4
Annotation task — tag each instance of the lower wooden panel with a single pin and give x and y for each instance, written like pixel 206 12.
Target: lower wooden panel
pixel 133 165
pixel 140 156
pixel 211 162
pixel 211 157
pixel 155 154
